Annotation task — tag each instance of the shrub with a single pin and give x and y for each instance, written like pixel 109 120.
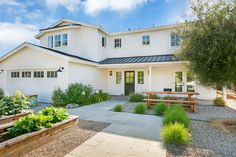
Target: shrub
pixel 176 114
pixel 13 104
pixel 136 97
pixel 44 119
pixel 175 134
pixel 104 95
pixel 118 108
pixel 59 97
pixel 140 108
pixel 1 93
pixel 219 102
pixel 160 108
pixel 154 96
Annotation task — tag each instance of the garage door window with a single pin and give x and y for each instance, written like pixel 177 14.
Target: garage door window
pixel 38 74
pixel 26 74
pixel 51 74
pixel 15 74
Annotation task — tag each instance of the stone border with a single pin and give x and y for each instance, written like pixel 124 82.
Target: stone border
pixel 11 118
pixel 22 144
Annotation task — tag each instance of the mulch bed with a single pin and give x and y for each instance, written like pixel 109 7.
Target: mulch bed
pixel 72 138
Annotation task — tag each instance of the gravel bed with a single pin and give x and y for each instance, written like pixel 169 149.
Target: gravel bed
pixel 70 139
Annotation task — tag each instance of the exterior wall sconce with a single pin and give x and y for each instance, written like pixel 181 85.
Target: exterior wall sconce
pixel 1 71
pixel 110 73
pixel 60 69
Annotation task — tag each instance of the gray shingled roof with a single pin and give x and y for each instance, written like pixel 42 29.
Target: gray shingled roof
pixel 140 59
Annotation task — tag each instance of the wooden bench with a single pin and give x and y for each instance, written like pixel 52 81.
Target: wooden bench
pixel 192 104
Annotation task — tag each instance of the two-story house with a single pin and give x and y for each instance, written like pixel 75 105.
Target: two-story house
pixel 119 63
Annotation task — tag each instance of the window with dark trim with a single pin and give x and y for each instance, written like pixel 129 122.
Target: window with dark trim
pixel 15 74
pixel 140 77
pixel 118 77
pixel 104 41
pixel 50 41
pixel 117 43
pixel 51 74
pixel 57 40
pixel 175 40
pixel 26 74
pixel 145 39
pixel 64 39
pixel 38 74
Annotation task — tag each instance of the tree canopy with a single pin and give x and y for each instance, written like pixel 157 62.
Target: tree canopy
pixel 209 42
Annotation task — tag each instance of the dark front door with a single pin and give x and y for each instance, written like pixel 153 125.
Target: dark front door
pixel 129 82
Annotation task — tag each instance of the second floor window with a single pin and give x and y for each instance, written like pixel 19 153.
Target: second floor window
pixel 57 40
pixel 175 40
pixel 145 39
pixel 50 41
pixel 26 74
pixel 117 43
pixel 104 41
pixel 64 39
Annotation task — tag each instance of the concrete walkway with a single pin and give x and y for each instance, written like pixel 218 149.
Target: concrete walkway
pixel 129 135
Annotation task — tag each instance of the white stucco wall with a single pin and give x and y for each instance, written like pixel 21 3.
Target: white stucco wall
pixel 29 59
pixel 90 75
pixel 131 44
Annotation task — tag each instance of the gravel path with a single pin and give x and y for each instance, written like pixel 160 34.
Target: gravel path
pixel 71 138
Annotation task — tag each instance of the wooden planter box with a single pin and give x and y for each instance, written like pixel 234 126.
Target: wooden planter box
pixel 20 145
pixel 11 118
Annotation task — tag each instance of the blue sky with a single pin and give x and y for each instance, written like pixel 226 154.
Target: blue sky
pixel 20 20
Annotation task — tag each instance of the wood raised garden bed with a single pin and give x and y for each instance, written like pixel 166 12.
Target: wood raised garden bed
pixel 11 118
pixel 17 146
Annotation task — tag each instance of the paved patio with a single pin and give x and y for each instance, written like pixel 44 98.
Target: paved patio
pixel 128 135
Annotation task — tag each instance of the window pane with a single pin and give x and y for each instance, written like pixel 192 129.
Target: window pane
pixel 57 40
pixel 178 81
pixel 118 77
pixel 64 39
pixel 50 41
pixel 140 77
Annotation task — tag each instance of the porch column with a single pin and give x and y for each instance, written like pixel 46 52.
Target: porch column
pixel 150 78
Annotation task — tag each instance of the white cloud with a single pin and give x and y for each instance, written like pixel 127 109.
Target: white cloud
pixel 34 14
pixel 71 5
pixel 9 2
pixel 13 34
pixel 93 7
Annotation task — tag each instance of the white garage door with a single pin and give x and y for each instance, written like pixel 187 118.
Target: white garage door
pixel 32 85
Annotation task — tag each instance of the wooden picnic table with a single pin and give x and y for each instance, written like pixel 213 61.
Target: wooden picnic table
pixel 189 100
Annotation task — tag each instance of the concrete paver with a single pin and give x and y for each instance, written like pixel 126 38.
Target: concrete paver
pixel 128 135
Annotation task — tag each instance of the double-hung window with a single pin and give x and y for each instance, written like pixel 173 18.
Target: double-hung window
pixel 145 39
pixel 117 43
pixel 51 74
pixel 15 74
pixel 57 40
pixel 38 74
pixel 26 74
pixel 64 39
pixel 175 40
pixel 104 41
pixel 50 41
pixel 118 77
pixel 140 77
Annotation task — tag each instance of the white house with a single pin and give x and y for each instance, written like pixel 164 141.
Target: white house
pixel 119 63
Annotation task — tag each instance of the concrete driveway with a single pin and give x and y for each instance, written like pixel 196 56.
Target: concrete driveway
pixel 128 135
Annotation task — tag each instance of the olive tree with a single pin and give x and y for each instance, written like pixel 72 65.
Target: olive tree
pixel 209 42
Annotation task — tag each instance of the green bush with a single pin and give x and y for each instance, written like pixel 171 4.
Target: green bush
pixel 44 119
pixel 136 97
pixel 13 104
pixel 140 108
pixel 1 93
pixel 118 108
pixel 160 108
pixel 176 114
pixel 154 96
pixel 59 97
pixel 104 95
pixel 175 134
pixel 219 102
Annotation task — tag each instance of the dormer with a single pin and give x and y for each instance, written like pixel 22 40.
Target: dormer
pixel 75 38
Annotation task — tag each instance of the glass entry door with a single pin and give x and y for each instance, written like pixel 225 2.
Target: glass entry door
pixel 129 82
pixel 179 81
